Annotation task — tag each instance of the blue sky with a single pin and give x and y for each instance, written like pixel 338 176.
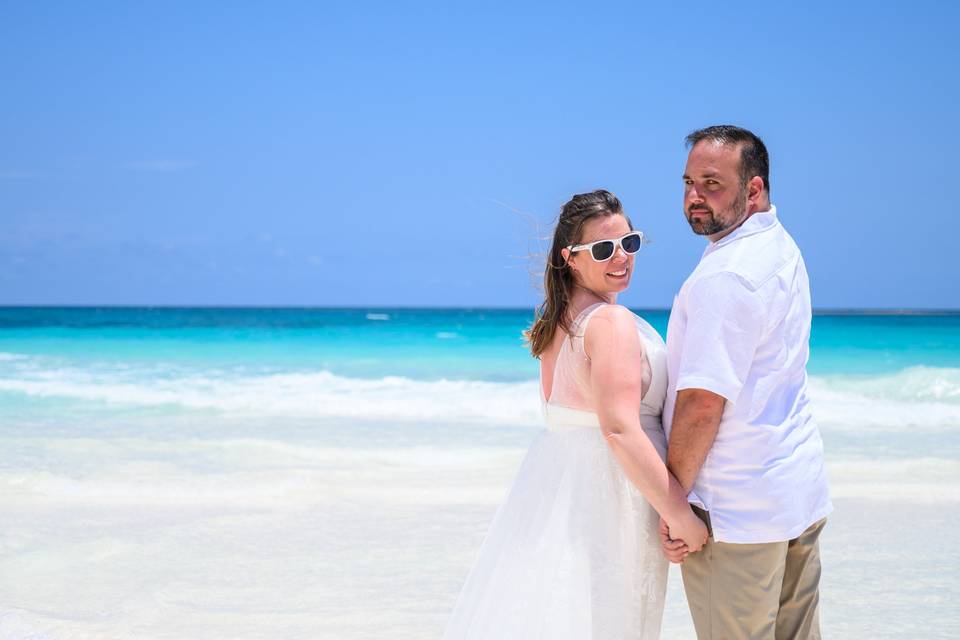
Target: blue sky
pixel 364 153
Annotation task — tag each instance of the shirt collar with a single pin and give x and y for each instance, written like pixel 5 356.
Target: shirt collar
pixel 758 222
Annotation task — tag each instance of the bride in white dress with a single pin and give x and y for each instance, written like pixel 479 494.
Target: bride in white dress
pixel 573 553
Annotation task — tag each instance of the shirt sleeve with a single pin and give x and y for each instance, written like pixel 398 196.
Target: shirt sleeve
pixel 726 320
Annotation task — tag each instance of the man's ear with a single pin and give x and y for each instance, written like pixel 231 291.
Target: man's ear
pixel 567 255
pixel 755 190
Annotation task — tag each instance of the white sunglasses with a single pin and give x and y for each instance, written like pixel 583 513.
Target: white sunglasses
pixel 603 250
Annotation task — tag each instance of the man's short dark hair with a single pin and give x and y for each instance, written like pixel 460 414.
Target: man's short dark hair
pixel 754 160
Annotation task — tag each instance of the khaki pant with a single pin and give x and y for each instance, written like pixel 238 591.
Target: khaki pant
pixel 755 591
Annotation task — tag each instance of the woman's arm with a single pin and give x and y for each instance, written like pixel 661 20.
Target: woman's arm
pixel 616 353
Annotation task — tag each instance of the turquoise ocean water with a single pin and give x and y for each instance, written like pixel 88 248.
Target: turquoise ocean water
pixel 297 365
pixel 481 344
pixel 232 470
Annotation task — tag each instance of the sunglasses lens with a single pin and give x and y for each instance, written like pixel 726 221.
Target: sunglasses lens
pixel 631 244
pixel 602 250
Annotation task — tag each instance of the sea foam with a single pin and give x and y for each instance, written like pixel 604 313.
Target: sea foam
pixel 319 394
pixel 916 397
pixel 913 384
pixel 925 397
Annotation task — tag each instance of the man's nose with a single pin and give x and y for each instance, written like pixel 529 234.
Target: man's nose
pixel 694 196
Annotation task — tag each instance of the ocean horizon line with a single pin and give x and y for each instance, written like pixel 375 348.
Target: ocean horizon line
pixel 819 311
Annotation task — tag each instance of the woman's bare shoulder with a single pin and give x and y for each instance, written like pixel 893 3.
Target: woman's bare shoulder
pixel 612 323
pixel 616 315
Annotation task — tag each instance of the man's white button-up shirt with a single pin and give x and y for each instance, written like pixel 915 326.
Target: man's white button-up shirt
pixel 740 327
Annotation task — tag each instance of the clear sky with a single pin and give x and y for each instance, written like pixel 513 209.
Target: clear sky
pixel 363 153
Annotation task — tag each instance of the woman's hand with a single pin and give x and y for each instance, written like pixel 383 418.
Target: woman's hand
pixel 688 528
pixel 674 550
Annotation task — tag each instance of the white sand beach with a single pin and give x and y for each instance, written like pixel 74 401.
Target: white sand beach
pixel 318 542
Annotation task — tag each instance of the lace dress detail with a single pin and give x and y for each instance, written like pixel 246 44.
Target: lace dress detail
pixel 573 552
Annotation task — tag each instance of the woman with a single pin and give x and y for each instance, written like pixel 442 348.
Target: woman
pixel 574 552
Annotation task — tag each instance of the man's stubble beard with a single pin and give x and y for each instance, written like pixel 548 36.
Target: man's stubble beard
pixel 714 225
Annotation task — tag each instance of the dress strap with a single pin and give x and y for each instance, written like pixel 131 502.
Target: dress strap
pixel 579 326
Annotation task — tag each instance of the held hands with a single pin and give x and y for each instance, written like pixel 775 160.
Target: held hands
pixel 687 535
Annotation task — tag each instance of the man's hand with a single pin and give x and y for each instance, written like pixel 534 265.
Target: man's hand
pixel 674 550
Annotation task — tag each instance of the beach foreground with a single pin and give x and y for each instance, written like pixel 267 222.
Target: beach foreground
pixel 250 554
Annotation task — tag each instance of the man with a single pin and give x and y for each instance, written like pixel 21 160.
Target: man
pixel 742 440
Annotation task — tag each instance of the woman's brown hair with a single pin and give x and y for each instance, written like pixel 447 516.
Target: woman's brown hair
pixel 558 278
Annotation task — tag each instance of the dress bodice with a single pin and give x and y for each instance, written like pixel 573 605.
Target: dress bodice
pixel 572 403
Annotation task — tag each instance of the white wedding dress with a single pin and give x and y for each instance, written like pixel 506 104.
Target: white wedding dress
pixel 573 553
